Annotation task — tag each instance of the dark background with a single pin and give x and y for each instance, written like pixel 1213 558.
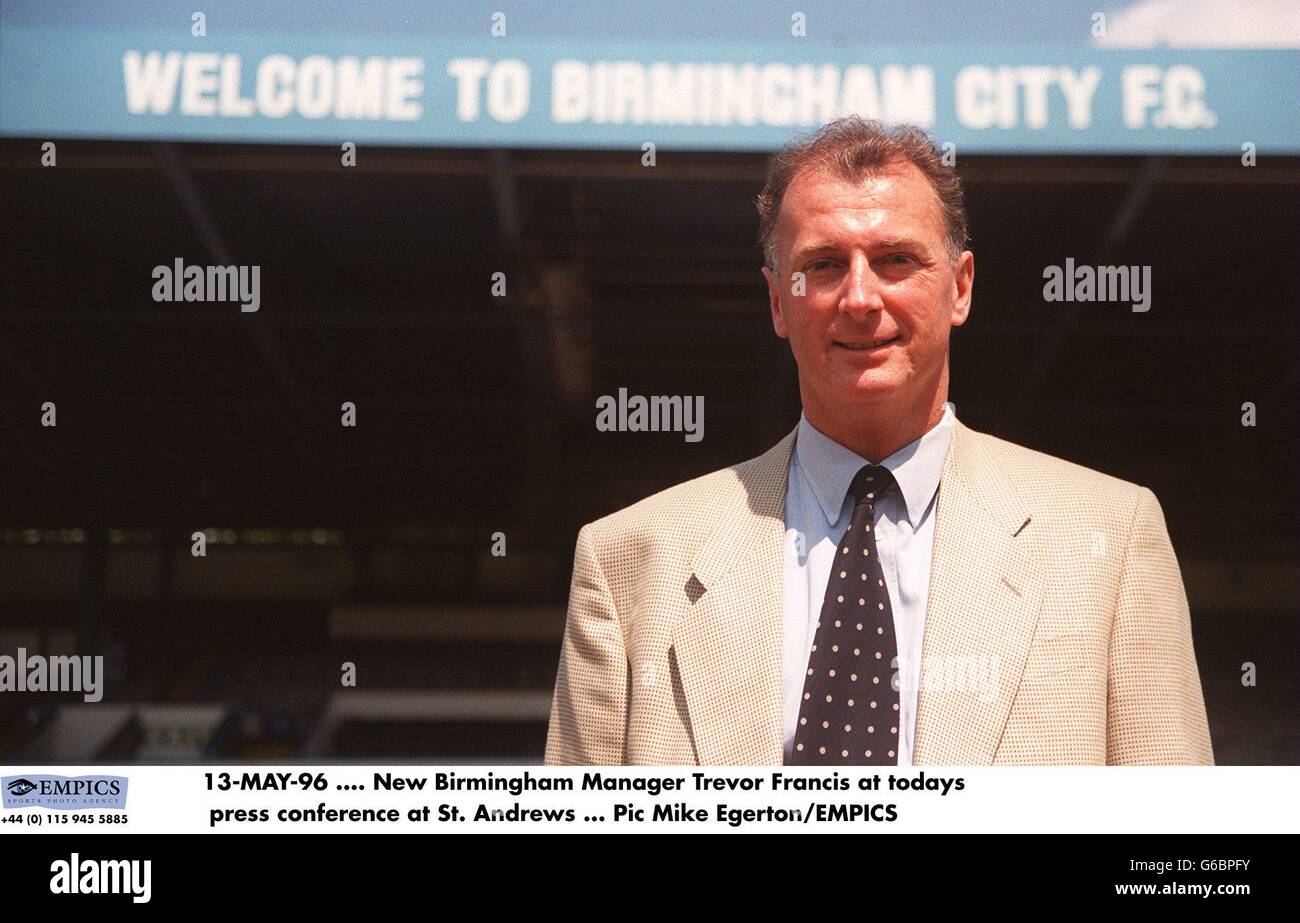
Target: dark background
pixel 372 544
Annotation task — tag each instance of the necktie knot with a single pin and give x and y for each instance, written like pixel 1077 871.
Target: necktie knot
pixel 870 484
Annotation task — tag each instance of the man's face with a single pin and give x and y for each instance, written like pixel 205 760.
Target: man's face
pixel 880 291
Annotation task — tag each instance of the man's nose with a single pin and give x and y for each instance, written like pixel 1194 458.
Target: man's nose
pixel 863 291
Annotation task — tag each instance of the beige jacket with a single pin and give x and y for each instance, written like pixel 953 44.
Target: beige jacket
pixel 1061 577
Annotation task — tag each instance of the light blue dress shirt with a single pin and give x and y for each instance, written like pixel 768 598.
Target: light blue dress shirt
pixel 817 512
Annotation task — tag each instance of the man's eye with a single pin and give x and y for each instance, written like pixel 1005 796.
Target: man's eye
pixel 816 265
pixel 900 259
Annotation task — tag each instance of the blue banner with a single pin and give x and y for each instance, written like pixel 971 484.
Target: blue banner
pixel 559 93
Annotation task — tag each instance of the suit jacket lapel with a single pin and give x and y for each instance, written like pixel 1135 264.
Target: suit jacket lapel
pixel 983 608
pixel 727 642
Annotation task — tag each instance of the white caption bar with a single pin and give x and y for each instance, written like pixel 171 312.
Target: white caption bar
pixel 489 799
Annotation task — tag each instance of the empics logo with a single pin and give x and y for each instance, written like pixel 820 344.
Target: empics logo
pixel 20 787
pixel 65 792
pixel 102 876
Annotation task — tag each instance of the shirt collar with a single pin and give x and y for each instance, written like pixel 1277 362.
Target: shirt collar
pixel 830 467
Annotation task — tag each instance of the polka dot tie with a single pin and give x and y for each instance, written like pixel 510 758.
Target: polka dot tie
pixel 849 713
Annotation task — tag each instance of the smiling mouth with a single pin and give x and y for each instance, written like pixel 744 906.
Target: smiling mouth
pixel 864 345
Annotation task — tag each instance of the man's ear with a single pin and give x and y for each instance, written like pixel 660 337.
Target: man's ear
pixel 964 287
pixel 774 299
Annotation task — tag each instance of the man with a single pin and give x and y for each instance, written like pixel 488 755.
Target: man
pixel 885 586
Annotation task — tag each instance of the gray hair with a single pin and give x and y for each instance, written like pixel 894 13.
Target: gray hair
pixel 851 148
